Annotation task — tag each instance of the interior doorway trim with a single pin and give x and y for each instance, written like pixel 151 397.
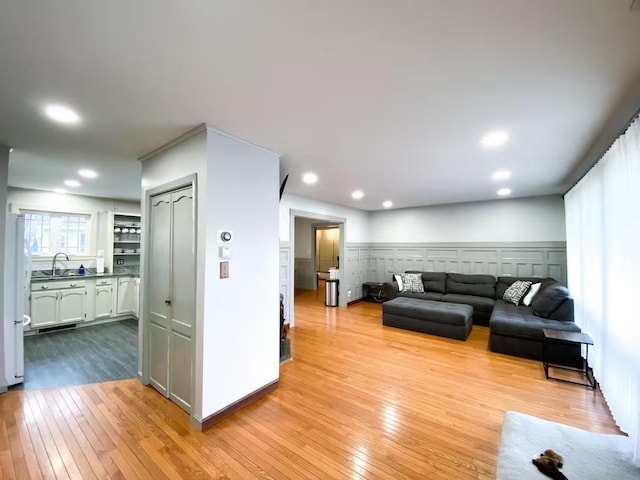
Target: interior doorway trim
pixel 341 223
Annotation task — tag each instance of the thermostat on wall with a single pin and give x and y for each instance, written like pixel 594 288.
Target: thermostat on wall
pixel 225 236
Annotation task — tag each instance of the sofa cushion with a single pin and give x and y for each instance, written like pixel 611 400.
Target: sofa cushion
pixel 478 285
pixel 412 282
pixel 549 299
pixel 480 304
pixel 516 292
pixel 433 281
pixel 422 296
pixel 509 319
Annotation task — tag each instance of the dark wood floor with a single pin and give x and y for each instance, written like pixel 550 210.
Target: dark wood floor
pixel 358 401
pixel 77 356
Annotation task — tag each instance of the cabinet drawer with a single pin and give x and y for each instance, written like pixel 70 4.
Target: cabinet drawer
pixel 59 285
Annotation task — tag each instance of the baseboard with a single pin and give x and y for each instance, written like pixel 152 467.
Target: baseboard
pixel 234 407
pixel 353 302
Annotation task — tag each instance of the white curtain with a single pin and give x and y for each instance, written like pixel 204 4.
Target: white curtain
pixel 603 256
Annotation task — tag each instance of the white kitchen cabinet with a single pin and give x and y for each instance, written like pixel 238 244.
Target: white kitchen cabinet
pixel 43 308
pixel 55 303
pixel 127 302
pixel 136 282
pixel 103 299
pixel 71 305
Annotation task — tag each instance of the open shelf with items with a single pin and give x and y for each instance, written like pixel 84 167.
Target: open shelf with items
pixel 125 242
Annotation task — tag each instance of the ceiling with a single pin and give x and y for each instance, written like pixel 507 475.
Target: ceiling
pixel 387 96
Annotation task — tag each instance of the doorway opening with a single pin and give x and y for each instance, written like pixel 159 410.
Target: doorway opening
pixel 318 245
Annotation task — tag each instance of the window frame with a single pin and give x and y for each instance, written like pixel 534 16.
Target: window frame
pixel 92 227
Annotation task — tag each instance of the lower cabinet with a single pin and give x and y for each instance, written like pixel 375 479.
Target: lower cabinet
pixel 103 307
pixel 127 296
pixel 57 302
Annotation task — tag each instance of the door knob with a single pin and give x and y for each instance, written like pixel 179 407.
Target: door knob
pixel 168 302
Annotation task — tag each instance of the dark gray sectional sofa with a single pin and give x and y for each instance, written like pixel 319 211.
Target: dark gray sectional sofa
pixel 514 330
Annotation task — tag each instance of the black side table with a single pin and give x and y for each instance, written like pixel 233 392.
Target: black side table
pixel 568 338
pixel 376 291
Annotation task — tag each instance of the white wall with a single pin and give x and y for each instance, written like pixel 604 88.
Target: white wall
pixel 68 202
pixel 356 227
pixel 184 159
pixel 304 237
pixel 242 313
pixel 515 220
pixel 237 319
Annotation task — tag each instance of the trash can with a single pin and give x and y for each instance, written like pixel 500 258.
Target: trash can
pixel 331 292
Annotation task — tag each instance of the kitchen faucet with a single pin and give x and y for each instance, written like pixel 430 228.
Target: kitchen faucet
pixel 53 265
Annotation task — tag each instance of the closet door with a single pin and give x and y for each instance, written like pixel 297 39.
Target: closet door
pixel 159 291
pixel 182 311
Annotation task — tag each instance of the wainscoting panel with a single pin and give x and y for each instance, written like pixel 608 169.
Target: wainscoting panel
pixel 351 276
pixel 284 265
pixel 304 274
pixel 378 263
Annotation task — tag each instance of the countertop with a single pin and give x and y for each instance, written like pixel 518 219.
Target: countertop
pixel 49 278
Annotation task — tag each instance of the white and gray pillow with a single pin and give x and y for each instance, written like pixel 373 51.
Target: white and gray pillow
pixel 528 298
pixel 516 291
pixel 398 279
pixel 412 282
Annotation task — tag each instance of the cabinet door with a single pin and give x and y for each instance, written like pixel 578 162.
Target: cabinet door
pixel 183 310
pixel 104 301
pixel 71 308
pixel 44 308
pixel 136 283
pixel 126 296
pixel 159 292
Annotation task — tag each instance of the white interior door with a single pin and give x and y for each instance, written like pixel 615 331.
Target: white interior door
pixel 158 291
pixel 171 294
pixel 182 298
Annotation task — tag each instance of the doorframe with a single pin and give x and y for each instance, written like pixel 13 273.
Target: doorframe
pixel 144 331
pixel 341 223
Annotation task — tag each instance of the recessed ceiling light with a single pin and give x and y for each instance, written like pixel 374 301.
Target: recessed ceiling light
pixel 60 190
pixel 61 114
pixel 86 173
pixel 309 178
pixel 501 175
pixel 72 183
pixel 503 192
pixel 387 204
pixel 357 194
pixel 495 138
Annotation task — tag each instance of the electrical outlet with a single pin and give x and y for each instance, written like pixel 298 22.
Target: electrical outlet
pixel 349 293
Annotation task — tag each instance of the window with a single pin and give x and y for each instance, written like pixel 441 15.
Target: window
pixel 48 232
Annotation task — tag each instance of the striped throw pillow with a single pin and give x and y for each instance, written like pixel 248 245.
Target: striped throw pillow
pixel 516 291
pixel 413 282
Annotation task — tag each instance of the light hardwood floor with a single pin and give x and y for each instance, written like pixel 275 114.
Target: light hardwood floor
pixel 358 401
